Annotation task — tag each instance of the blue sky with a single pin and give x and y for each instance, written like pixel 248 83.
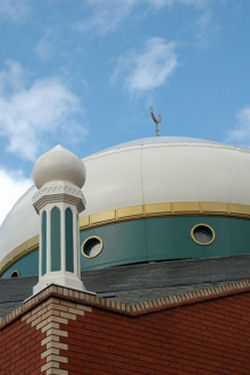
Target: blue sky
pixel 84 73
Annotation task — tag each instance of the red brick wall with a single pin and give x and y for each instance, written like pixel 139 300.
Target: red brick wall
pixel 20 349
pixel 206 338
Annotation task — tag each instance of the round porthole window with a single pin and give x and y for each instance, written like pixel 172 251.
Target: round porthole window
pixel 202 234
pixel 14 274
pixel 92 247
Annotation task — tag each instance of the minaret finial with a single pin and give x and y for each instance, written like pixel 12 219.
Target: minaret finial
pixel 155 121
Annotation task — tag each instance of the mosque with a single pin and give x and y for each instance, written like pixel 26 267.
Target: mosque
pixel 133 259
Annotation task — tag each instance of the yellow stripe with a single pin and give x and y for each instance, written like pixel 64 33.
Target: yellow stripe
pixel 20 251
pixel 164 209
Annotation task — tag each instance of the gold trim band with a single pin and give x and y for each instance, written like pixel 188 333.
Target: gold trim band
pixel 19 252
pixel 164 209
pixel 137 212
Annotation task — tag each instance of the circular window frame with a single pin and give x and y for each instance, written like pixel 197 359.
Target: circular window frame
pixel 85 241
pixel 14 271
pixel 203 243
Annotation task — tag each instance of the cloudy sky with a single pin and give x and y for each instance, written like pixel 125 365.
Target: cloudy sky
pixel 84 73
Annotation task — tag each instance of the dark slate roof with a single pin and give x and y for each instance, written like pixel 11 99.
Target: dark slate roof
pixel 14 291
pixel 141 282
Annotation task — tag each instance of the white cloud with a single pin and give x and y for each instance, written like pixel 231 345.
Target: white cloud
pixel 14 10
pixel 12 185
pixel 45 48
pixel 149 69
pixel 240 134
pixel 162 3
pixel 108 14
pixel 31 115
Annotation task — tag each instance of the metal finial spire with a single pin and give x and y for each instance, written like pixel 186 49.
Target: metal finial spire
pixel 155 121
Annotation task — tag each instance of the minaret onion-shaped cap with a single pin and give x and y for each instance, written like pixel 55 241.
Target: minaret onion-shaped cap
pixel 59 164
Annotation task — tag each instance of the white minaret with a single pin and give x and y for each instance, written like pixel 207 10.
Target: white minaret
pixel 59 176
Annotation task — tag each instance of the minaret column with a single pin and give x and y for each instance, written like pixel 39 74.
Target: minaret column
pixel 59 176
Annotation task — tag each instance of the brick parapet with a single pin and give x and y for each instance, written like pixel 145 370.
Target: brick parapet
pixel 58 318
pixel 48 317
pixel 205 338
pixel 20 349
pixel 157 304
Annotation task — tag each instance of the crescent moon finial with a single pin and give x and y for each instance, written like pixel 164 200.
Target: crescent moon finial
pixel 155 121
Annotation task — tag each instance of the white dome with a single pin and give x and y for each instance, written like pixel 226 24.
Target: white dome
pixel 152 170
pixel 59 164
